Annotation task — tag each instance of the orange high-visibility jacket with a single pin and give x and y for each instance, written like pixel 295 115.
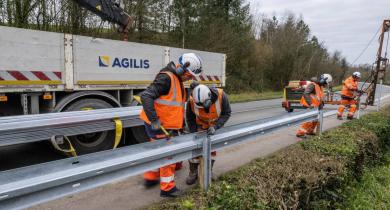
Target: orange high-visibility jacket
pixel 204 119
pixel 349 87
pixel 316 96
pixel 170 107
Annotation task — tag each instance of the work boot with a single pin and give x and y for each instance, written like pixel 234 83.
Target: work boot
pixel 173 193
pixel 151 183
pixel 193 174
pixel 350 117
pixel 340 117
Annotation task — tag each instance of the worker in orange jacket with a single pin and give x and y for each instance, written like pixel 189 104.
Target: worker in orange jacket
pixel 313 97
pixel 163 107
pixel 208 110
pixel 348 96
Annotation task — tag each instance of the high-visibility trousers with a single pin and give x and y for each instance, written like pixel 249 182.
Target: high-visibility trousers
pixel 165 174
pixel 352 104
pixel 307 128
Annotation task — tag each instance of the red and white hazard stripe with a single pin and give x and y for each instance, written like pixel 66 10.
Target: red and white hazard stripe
pixel 30 76
pixel 207 78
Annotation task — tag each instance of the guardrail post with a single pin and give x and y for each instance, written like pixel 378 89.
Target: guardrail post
pixel 378 107
pixel 320 121
pixel 358 109
pixel 205 165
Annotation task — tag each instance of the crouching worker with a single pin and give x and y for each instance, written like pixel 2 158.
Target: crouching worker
pixel 163 107
pixel 208 110
pixel 313 97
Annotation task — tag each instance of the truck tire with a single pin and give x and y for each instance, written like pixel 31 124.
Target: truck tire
pixel 93 142
pixel 139 132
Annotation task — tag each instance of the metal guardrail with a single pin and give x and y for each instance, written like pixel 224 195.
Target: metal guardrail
pixel 31 128
pixel 28 186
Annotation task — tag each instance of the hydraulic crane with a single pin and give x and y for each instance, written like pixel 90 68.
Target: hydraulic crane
pixel 110 11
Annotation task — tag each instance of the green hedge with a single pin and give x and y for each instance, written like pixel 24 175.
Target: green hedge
pixel 309 175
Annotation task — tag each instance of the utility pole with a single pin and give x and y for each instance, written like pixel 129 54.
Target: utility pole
pixel 183 24
pixel 380 63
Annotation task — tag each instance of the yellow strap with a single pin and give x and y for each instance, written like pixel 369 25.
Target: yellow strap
pixel 138 99
pixel 118 132
pixel 71 149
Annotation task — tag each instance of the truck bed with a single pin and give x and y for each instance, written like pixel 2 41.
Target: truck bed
pixel 37 61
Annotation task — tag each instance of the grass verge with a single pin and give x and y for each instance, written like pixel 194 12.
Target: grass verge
pixel 254 96
pixel 372 191
pixel 313 174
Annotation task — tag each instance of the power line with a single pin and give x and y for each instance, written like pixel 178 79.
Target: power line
pixel 369 43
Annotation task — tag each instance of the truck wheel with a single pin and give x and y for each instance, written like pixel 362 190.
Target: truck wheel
pixel 92 142
pixel 139 132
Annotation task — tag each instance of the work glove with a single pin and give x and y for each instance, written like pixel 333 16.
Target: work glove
pixel 156 125
pixel 211 130
pixel 321 106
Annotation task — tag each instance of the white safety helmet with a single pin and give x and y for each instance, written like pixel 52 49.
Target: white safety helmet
pixel 357 74
pixel 202 96
pixel 192 63
pixel 326 79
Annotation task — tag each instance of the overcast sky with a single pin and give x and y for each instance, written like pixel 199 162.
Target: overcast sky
pixel 344 25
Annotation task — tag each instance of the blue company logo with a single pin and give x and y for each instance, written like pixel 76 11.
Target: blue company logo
pixel 124 63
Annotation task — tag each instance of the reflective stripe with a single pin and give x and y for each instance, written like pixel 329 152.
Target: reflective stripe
pixel 168 103
pixel 218 107
pixel 196 110
pixel 167 179
pixel 303 130
pixel 173 102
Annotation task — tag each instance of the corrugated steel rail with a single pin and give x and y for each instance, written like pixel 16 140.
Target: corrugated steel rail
pixel 28 186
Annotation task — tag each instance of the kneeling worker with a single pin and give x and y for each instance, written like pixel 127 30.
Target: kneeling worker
pixel 208 109
pixel 163 107
pixel 313 98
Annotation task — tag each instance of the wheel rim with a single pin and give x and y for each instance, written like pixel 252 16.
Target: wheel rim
pixel 91 140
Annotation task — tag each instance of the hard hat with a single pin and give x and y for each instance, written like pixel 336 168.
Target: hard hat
pixel 191 62
pixel 314 79
pixel 326 79
pixel 202 96
pixel 356 74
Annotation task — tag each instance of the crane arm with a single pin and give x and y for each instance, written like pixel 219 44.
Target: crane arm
pixel 109 11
